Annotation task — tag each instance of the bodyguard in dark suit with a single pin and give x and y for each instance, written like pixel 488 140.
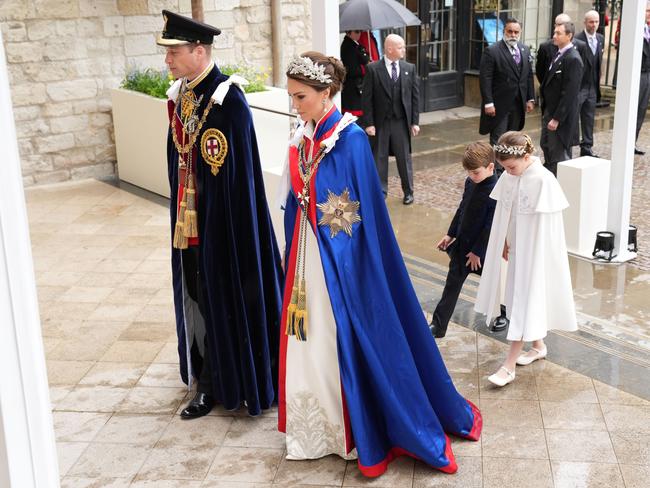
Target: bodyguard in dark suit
pixel 391 112
pixel 592 57
pixel 644 85
pixel 506 81
pixel 355 58
pixel 559 99
pixel 467 238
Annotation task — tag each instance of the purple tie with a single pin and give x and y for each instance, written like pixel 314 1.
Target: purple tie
pixel 393 71
pixel 558 56
pixel 516 55
pixel 646 33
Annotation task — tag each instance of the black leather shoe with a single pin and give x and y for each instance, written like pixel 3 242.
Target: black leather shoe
pixel 639 152
pixel 408 199
pixel 499 324
pixel 437 331
pixel 588 152
pixel 200 405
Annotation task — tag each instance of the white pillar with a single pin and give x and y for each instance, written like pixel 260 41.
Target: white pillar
pixel 627 96
pixel 325 27
pixel 27 448
pixel 325 36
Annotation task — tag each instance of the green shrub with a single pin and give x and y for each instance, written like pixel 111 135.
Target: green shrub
pixel 255 77
pixel 156 83
pixel 148 81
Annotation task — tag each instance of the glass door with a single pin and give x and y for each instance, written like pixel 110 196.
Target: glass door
pixel 441 84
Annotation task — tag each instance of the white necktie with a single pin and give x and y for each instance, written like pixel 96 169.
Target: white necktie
pixel 593 44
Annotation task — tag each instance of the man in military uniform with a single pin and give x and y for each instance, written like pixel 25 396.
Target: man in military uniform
pixel 225 261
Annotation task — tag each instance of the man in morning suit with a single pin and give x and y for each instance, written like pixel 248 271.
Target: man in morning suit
pixel 355 58
pixel 547 50
pixel 644 85
pixel 592 57
pixel 506 81
pixel 559 99
pixel 391 112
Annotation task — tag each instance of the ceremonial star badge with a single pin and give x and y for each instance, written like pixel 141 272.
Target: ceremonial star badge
pixel 339 213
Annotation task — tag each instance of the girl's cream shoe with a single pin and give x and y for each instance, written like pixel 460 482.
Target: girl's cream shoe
pixel 531 356
pixel 499 380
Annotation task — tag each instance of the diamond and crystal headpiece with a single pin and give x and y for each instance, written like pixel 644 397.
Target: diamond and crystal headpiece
pixel 511 150
pixel 302 65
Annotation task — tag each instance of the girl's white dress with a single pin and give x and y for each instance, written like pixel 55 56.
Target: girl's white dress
pixel 538 290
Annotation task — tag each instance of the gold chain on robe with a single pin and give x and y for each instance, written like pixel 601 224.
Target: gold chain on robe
pixel 297 310
pixel 187 218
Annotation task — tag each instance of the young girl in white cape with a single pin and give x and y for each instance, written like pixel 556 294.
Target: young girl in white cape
pixel 528 232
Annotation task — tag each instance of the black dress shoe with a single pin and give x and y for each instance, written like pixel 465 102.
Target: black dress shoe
pixel 639 152
pixel 408 199
pixel 200 405
pixel 437 331
pixel 588 152
pixel 499 324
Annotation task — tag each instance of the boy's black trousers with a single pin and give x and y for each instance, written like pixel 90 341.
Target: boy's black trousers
pixel 455 278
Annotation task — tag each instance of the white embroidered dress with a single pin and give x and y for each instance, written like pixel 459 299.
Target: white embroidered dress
pixel 538 290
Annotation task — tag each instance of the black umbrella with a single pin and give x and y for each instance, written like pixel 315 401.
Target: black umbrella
pixel 374 14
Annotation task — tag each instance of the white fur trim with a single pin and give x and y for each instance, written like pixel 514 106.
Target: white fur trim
pixel 329 143
pixel 172 93
pixel 220 93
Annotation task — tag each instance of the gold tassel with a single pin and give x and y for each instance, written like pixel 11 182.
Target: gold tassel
pixel 301 314
pixel 191 225
pixel 180 241
pixel 291 312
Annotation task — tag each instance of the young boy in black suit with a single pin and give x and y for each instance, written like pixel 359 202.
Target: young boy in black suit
pixel 468 234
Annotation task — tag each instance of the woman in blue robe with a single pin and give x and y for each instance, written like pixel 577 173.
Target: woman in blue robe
pixel 360 374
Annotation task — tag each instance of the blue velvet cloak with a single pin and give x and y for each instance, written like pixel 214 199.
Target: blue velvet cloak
pixel 399 395
pixel 239 260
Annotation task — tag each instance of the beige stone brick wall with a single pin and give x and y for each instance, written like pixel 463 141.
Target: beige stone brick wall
pixel 64 56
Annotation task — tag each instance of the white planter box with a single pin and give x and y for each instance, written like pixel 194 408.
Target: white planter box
pixel 141 124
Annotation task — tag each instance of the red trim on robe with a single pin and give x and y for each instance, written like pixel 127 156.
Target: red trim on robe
pixel 380 468
pixel 290 268
pixel 356 113
pixel 296 182
pixel 477 427
pixel 171 111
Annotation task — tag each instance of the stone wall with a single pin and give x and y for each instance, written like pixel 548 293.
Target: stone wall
pixel 64 56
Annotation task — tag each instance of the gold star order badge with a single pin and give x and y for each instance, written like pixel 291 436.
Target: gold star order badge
pixel 339 213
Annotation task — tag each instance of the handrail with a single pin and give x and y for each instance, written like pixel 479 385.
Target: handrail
pixel 277 112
